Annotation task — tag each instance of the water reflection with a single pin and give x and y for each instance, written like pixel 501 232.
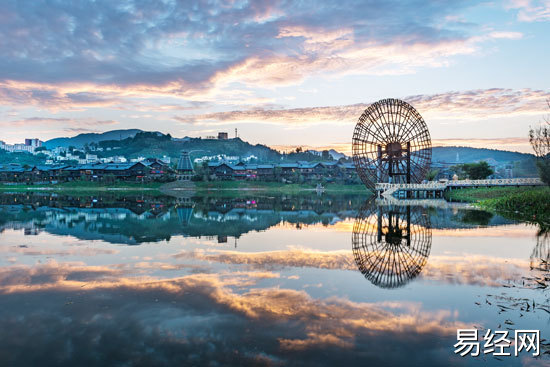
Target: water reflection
pixel 391 244
pixel 288 292
pixel 137 219
pixel 133 219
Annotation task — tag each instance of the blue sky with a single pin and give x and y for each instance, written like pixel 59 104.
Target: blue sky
pixel 285 73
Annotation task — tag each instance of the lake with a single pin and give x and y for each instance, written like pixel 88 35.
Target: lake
pixel 263 280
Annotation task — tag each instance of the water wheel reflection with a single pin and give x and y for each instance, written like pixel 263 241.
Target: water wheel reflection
pixel 391 244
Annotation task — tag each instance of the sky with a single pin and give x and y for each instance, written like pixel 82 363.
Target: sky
pixel 284 73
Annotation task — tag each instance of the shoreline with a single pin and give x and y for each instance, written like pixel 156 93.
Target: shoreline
pixel 187 187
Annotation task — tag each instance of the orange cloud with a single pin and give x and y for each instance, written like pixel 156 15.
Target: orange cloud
pixel 470 269
pixel 468 105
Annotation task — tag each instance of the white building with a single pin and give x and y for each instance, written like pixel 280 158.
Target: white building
pixel 118 159
pixel 58 150
pixel 91 158
pixel 216 158
pixel 17 148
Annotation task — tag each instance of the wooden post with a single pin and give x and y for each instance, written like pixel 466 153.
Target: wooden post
pixel 408 162
pixel 378 171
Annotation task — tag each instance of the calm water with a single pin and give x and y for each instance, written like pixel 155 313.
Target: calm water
pixel 303 280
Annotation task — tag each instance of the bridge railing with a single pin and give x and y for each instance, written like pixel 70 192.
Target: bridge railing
pixel 404 186
pixel 496 182
pixel 459 183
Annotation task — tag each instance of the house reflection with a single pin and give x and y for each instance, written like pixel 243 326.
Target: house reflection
pixel 135 219
pixel 391 244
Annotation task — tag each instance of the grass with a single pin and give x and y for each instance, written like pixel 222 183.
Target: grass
pixel 531 204
pixel 485 193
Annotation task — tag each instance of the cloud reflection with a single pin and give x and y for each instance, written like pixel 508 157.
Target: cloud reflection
pixel 457 269
pixel 195 318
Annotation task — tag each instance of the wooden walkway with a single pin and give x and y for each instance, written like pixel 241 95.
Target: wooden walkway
pixel 432 190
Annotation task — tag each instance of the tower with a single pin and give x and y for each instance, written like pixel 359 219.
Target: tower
pixel 185 167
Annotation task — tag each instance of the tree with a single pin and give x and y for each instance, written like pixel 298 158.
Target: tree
pixel 201 172
pixel 326 155
pixel 540 141
pixel 478 171
pixel 474 171
pixel 432 174
pixel 277 173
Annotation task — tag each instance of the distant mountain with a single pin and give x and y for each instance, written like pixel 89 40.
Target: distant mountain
pixel 81 139
pixel 336 155
pixel 333 153
pixel 456 155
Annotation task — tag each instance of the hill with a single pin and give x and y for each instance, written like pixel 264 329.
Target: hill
pixel 22 158
pixel 148 144
pixel 469 155
pixel 81 139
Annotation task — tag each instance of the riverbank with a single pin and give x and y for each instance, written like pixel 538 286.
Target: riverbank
pixel 530 204
pixel 229 187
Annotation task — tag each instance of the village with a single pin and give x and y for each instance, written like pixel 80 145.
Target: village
pixel 109 165
pixel 153 169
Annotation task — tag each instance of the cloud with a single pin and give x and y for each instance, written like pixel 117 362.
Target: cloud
pixel 68 54
pixel 531 10
pixel 65 121
pixel 58 125
pixel 470 105
pixel 506 35
pixel 65 97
